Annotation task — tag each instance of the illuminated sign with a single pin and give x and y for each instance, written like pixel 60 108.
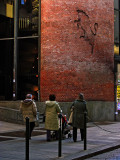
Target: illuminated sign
pixel 118 92
pixel 22 2
pixel 118 106
pixel 9 10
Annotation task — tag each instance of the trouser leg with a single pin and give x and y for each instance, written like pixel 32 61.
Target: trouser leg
pixel 62 128
pixel 56 134
pixel 32 125
pixel 48 135
pixel 74 134
pixel 82 134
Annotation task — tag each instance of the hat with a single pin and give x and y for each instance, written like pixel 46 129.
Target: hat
pixel 81 96
pixel 29 96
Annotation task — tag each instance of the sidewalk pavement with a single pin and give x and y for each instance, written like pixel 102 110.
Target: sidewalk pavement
pixel 98 141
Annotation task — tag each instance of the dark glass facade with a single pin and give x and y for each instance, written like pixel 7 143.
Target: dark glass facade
pixel 28 67
pixel 18 49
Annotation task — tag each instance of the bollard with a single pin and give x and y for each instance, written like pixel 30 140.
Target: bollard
pixel 85 132
pixel 27 138
pixel 60 137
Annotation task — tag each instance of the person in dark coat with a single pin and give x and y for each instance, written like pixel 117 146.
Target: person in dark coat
pixel 79 107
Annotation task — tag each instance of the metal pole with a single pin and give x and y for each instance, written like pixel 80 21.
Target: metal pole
pixel 15 49
pixel 60 137
pixel 39 49
pixel 115 89
pixel 27 138
pixel 85 132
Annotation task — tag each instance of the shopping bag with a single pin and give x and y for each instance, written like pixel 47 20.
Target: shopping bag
pixel 70 118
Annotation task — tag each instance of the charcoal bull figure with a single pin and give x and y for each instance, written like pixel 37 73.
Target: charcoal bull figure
pixel 86 31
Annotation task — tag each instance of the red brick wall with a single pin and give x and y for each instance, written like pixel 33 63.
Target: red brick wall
pixel 69 30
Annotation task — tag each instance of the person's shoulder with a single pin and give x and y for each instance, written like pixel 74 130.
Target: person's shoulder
pixel 80 101
pixel 56 102
pixel 84 102
pixel 76 101
pixel 46 102
pixel 33 101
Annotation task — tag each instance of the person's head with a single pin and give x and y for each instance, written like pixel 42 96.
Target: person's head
pixel 29 96
pixel 52 97
pixel 81 96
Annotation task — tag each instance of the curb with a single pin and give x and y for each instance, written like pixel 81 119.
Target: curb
pixel 92 152
pixel 97 153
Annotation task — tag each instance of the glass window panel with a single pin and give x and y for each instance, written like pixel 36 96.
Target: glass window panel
pixel 116 26
pixel 28 18
pixel 28 68
pixel 6 70
pixel 6 19
pixel 116 4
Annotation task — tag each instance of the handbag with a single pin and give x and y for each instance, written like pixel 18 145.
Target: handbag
pixel 70 118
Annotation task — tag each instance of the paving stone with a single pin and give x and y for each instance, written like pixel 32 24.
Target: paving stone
pixel 98 141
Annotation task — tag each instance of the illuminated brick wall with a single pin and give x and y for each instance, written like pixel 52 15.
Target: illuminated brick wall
pixel 77 55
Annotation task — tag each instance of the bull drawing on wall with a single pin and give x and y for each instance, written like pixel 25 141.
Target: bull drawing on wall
pixel 83 23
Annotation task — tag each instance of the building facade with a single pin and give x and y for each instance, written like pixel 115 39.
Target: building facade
pixel 60 47
pixel 77 49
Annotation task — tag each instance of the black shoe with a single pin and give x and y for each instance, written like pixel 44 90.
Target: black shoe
pixel 63 137
pixel 75 140
pixel 48 140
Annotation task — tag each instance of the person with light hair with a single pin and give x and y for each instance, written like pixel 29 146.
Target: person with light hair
pixel 28 109
pixel 79 107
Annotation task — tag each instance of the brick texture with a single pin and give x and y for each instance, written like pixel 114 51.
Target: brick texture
pixel 77 39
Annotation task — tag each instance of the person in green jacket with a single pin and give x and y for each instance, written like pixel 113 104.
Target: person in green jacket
pixel 51 121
